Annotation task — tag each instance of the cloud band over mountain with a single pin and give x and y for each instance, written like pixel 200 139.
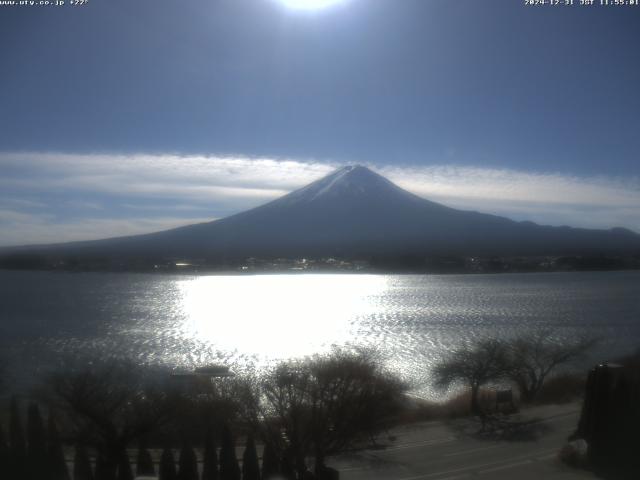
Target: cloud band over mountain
pixel 48 197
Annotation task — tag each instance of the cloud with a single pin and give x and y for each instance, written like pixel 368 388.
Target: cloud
pixel 20 228
pixel 49 197
pixel 549 198
pixel 193 177
pixel 16 217
pixel 472 184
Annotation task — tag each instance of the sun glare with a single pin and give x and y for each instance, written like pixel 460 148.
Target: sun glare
pixel 276 316
pixel 309 4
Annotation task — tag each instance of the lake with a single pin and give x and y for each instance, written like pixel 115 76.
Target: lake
pixel 48 318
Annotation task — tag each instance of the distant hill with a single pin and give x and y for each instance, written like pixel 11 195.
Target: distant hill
pixel 354 212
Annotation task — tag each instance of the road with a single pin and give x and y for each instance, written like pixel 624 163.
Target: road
pixel 453 450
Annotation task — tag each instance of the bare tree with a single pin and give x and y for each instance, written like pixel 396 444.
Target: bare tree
pixel 473 367
pixel 108 407
pixel 326 404
pixel 532 358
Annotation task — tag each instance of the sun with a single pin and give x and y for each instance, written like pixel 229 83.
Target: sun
pixel 309 4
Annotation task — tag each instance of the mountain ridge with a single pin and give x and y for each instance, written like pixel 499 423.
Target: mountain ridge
pixel 354 212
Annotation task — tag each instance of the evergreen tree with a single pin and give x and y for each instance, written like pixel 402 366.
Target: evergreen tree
pixel 167 466
pixel 270 463
pixel 36 444
pixel 210 467
pixel 124 467
pixel 144 463
pixel 17 447
pixel 188 464
pixel 104 468
pixel 4 451
pixel 229 468
pixel 81 465
pixel 57 464
pixel 286 467
pixel 250 465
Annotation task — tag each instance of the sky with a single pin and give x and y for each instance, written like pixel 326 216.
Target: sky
pixel 122 117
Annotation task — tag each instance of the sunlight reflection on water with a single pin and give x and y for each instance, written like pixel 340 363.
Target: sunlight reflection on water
pixel 248 321
pixel 276 316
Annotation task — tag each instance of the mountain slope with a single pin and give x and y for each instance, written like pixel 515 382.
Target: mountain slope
pixel 356 212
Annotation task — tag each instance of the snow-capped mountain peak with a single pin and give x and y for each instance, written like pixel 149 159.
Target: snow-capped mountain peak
pixel 355 212
pixel 347 182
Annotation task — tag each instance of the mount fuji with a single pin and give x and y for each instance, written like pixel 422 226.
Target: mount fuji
pixel 355 212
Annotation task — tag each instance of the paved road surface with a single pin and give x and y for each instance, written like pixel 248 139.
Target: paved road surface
pixel 453 450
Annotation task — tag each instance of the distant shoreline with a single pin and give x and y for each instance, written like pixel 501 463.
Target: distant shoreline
pixel 368 271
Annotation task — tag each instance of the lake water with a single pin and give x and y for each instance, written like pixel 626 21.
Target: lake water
pixel 243 320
